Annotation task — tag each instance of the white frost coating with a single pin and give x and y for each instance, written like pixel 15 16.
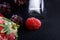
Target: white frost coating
pixel 34 5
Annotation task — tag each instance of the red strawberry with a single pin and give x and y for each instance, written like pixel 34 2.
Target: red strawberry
pixel 11 36
pixel 1 28
pixel 3 36
pixel 1 20
pixel 33 23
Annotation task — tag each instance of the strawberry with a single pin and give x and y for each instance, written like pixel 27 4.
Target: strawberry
pixel 33 23
pixel 1 28
pixel 3 36
pixel 1 20
pixel 11 36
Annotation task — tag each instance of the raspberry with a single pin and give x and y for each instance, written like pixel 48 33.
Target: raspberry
pixel 33 23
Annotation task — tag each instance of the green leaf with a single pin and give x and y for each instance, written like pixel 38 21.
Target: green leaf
pixel 8 32
pixel 16 35
pixel 5 29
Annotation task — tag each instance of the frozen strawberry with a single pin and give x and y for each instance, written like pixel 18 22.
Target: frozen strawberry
pixel 3 35
pixel 11 36
pixel 33 23
pixel 1 38
pixel 1 28
pixel 1 20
